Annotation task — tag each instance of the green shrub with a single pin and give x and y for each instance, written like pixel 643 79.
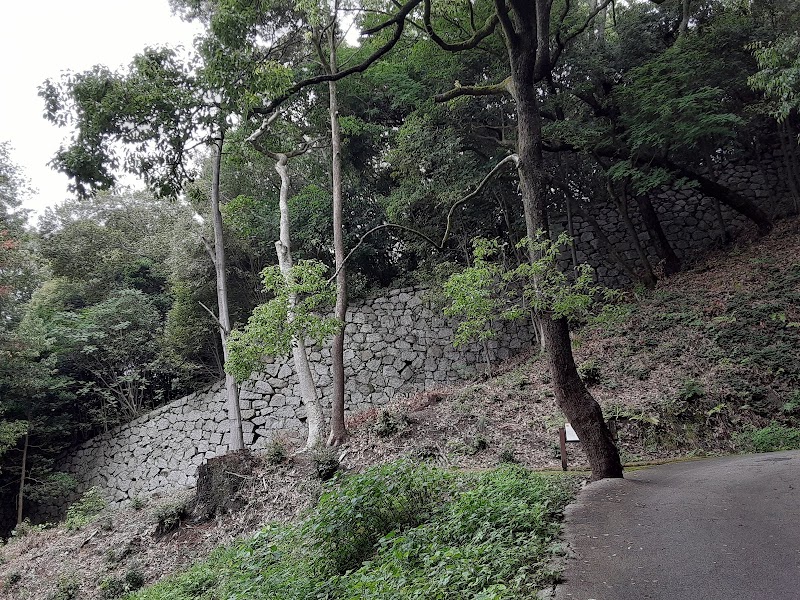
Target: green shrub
pixel 590 372
pixel 276 452
pixel 13 578
pixel 325 462
pixel 26 528
pixel 772 438
pixel 507 456
pixel 82 512
pixel 67 588
pixel 169 515
pixel 399 531
pixel 390 423
pixel 691 390
pixel 115 587
pixel 351 517
pixel 792 406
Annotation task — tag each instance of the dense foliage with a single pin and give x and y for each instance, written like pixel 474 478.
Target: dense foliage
pixel 397 531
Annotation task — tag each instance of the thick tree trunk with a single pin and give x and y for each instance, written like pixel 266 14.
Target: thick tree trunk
pixel 236 442
pixel 672 264
pixel 308 389
pixel 338 433
pixel 579 406
pixel 23 472
pixel 573 398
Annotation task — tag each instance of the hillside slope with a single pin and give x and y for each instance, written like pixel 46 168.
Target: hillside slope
pixel 708 362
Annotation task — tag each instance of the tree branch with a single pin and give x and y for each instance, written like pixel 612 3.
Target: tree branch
pixel 477 37
pixel 213 316
pixel 576 32
pixel 449 227
pixel 398 21
pixel 475 90
pixel 502 15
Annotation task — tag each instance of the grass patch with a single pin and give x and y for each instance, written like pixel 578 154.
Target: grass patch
pixel 397 531
pixel 772 438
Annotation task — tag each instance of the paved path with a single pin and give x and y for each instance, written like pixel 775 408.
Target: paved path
pixel 724 528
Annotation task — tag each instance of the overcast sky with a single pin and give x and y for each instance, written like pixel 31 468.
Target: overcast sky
pixel 39 40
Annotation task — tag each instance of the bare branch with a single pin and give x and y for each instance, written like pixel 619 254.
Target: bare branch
pixel 213 316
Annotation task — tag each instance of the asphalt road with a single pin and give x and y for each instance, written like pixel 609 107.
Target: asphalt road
pixel 724 528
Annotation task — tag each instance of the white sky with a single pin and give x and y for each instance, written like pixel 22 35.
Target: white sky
pixel 39 40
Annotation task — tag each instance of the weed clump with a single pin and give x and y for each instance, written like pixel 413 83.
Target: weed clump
pixel 390 423
pixel 325 462
pixel 771 438
pixel 83 511
pixel 169 515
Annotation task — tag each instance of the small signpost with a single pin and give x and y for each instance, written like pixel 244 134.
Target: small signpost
pixel 566 434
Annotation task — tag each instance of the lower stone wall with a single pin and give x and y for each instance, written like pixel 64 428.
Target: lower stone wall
pixel 395 344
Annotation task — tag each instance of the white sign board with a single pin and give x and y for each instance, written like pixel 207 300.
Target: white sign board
pixel 571 435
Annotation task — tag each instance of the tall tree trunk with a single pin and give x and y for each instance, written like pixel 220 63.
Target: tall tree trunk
pixel 283 247
pixel 231 389
pixel 573 398
pixel 672 264
pixel 23 471
pixel 338 433
pixel 686 14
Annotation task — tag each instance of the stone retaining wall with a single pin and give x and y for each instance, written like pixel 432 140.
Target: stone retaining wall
pixel 395 344
pixel 689 219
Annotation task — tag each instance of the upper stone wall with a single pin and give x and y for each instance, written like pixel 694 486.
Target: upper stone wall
pixel 690 220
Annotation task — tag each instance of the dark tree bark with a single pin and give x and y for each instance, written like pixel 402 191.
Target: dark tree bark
pixel 527 36
pixel 672 264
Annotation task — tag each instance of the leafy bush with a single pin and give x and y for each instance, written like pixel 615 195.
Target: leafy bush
pixel 276 452
pixel 26 528
pixel 772 438
pixel 398 531
pixel 325 462
pixel 84 510
pixel 13 578
pixel 507 456
pixel 67 588
pixel 590 372
pixel 168 516
pixel 114 587
pixel 390 423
